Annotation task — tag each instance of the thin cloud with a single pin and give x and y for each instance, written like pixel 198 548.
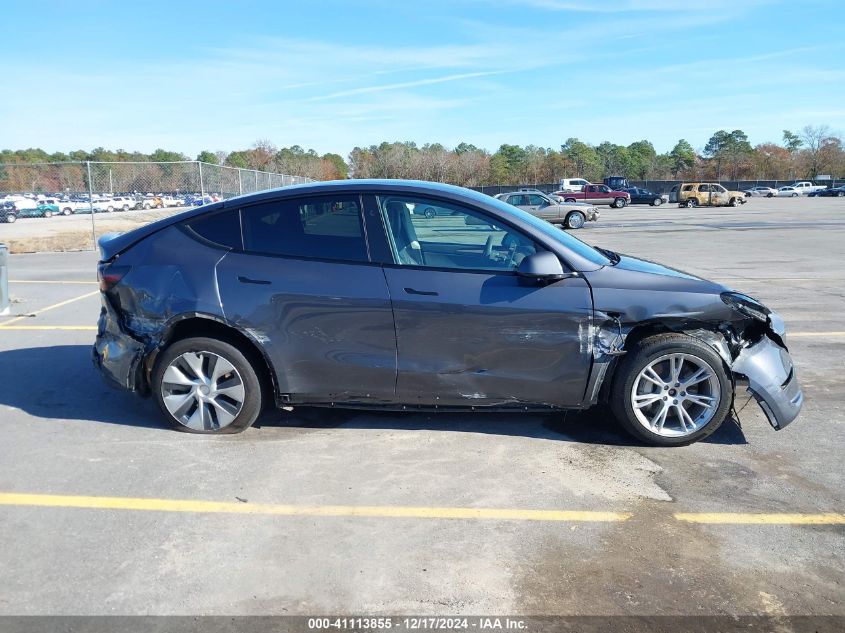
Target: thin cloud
pixel 406 84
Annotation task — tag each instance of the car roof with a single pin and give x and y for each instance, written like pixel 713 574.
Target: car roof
pixel 111 245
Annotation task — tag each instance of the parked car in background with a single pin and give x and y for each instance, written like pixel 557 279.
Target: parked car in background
pixel 760 191
pixel 35 210
pixel 597 194
pixel 619 183
pixel 835 192
pixel 199 201
pixel 644 196
pixel 8 213
pixel 708 194
pixel 789 192
pixel 122 203
pixel 170 201
pixel 573 184
pixel 298 297
pixel 151 202
pixel 570 215
pixel 805 186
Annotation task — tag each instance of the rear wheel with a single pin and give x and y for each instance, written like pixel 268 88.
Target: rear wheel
pixel 794 195
pixel 429 213
pixel 204 385
pixel 657 202
pixel 67 211
pixel 48 214
pixel 569 200
pixel 671 390
pixel 575 220
pixel 10 218
pixel 692 203
pixel 109 209
pixel 733 202
pixel 619 203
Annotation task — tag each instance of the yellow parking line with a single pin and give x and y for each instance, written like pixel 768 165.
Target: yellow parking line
pixel 49 281
pixel 92 328
pixel 48 308
pixel 224 507
pixel 742 518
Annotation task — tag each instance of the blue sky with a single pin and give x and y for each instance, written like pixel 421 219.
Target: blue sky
pixel 216 75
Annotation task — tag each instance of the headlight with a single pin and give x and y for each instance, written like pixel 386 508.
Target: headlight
pixel 746 305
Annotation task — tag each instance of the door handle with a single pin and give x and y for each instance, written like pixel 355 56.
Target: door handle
pixel 247 280
pixel 427 293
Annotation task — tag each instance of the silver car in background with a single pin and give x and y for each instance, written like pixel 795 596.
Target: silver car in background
pixel 571 215
pixel 760 191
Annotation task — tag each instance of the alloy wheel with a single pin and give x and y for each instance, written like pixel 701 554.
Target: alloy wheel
pixel 203 391
pixel 675 395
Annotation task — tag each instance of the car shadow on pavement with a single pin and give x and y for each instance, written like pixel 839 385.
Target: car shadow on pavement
pixel 596 426
pixel 60 382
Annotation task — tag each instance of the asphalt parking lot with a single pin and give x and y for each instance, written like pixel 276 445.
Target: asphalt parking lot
pixel 104 510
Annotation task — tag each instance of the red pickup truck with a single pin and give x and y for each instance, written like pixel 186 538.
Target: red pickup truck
pixel 597 194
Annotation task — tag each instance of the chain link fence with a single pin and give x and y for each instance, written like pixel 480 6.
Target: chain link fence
pixel 42 190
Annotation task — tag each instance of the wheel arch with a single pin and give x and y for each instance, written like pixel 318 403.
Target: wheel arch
pixel 705 332
pixel 206 325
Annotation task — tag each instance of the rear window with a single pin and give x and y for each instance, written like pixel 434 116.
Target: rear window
pixel 221 228
pixel 320 227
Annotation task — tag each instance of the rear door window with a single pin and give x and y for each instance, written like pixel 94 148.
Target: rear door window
pixel 320 227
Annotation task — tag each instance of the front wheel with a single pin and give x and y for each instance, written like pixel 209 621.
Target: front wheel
pixel 204 385
pixel 67 211
pixel 619 203
pixel 671 390
pixel 10 218
pixel 734 202
pixel 770 195
pixel 575 220
pixel 794 195
pixel 569 200
pixel 48 214
pixel 429 213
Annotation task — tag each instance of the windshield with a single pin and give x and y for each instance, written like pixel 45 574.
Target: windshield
pixel 572 243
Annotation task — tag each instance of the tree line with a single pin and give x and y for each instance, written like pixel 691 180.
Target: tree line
pixel 727 155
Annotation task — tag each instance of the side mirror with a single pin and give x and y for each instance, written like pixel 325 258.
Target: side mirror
pixel 543 266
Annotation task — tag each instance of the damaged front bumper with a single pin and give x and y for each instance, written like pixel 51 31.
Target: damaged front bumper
pixel 117 355
pixel 768 372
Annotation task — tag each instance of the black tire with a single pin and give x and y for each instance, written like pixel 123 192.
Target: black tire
pixel 48 214
pixel 657 202
pixel 733 202
pixel 770 195
pixel 67 211
pixel 692 203
pixel 109 209
pixel 794 195
pixel 429 213
pixel 644 353
pixel 620 203
pixel 253 401
pixel 575 220
pixel 569 200
pixel 125 207
pixel 11 218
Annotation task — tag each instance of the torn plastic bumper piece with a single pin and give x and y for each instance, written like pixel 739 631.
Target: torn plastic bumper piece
pixel 770 375
pixel 117 355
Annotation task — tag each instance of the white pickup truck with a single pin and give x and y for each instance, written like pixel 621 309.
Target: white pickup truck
pixel 805 187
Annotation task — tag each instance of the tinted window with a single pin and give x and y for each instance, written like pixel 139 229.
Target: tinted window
pixel 324 228
pixel 221 228
pixel 454 237
pixel 536 200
